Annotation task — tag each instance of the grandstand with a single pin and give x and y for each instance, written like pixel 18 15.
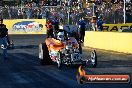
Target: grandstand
pixel 112 11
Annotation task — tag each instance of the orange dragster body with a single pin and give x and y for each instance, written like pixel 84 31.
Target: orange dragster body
pixel 56 45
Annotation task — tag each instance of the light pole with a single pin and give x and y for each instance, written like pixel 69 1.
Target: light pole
pixel 21 4
pixel 124 10
pixel 68 15
pixel 93 9
pixel 68 8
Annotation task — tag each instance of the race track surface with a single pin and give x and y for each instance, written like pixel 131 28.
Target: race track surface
pixel 23 69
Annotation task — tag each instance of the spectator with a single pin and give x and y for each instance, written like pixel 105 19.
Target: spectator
pixel 55 22
pixel 100 24
pixel 49 28
pixel 82 25
pixel 20 14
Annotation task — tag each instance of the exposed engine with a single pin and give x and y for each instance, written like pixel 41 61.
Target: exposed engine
pixel 69 54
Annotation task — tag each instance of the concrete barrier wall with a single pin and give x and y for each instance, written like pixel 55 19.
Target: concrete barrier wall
pixel 115 41
pixel 26 26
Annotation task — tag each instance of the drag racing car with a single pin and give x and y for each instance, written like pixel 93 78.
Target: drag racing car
pixel 63 49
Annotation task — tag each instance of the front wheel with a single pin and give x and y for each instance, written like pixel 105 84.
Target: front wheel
pixel 59 62
pixel 93 58
pixel 80 48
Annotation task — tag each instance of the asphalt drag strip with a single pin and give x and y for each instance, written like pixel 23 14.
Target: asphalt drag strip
pixel 23 69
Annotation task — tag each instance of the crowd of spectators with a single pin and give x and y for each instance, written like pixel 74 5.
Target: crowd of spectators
pixel 37 9
pixel 40 2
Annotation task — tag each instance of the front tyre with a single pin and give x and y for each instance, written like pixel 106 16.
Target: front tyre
pixel 59 62
pixel 93 58
pixel 80 48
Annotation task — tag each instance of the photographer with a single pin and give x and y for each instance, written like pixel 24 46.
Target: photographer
pixel 3 38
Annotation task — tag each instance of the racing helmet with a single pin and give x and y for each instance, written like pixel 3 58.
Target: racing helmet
pixel 60 36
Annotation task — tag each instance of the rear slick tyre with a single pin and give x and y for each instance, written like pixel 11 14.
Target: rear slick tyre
pixel 44 54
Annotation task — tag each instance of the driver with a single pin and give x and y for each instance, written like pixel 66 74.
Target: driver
pixel 60 36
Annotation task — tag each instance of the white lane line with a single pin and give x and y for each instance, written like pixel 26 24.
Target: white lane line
pixel 18 78
pixel 58 76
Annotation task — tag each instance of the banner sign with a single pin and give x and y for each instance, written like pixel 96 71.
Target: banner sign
pixel 116 27
pixel 26 26
pixel 83 78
